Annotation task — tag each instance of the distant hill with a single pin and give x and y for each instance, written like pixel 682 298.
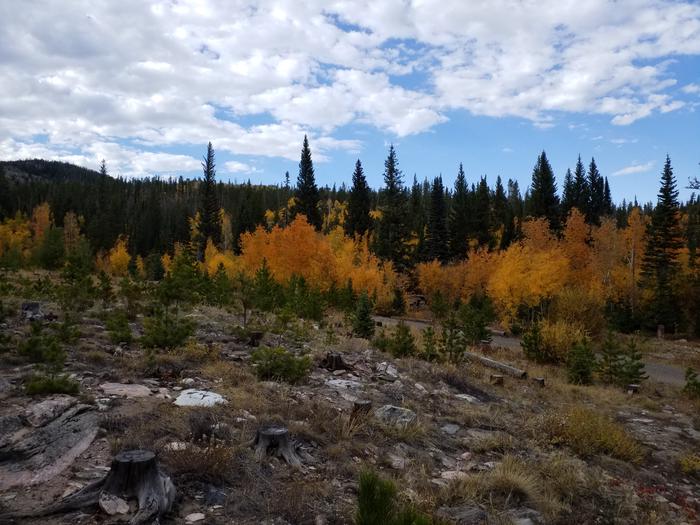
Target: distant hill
pixel 34 170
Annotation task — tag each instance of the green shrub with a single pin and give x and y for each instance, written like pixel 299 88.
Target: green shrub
pixel 303 299
pixel 41 384
pixel 118 327
pixel 278 364
pixel 381 341
pixel 580 364
pixel 692 383
pixel 166 329
pixel 376 504
pixel 452 339
pixel 51 252
pixel 266 291
pixel 398 302
pixel 618 366
pixel 551 342
pixel 474 318
pixel 532 344
pixel 431 350
pixel 402 343
pixel 362 323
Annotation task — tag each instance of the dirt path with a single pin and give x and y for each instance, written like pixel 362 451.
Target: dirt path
pixel 663 373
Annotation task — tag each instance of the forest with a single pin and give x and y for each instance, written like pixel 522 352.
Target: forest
pixel 531 256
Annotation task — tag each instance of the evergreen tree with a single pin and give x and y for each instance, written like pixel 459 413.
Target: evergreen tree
pixel 437 245
pixel 580 190
pixel 393 229
pixel 362 323
pixel 607 199
pixel 307 192
pixel 568 197
pixel 544 201
pixel 580 364
pixel 660 264
pixel 481 214
pixel 5 203
pixel 209 208
pixel 458 221
pixel 501 213
pixel 632 366
pixel 419 195
pixel 358 220
pixel 596 194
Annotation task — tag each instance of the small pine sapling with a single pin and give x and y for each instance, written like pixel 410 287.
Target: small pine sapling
pixel 580 363
pixel 362 323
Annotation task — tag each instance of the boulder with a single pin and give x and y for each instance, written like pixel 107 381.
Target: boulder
pixel 198 398
pixel 38 414
pixel 395 416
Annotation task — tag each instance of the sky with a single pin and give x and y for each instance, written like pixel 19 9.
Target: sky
pixel 145 85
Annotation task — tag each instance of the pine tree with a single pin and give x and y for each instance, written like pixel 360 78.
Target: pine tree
pixel 580 190
pixel 568 197
pixel 544 201
pixel 481 214
pixel 307 192
pixel 580 364
pixel 632 366
pixel 418 217
pixel 362 323
pixel 596 194
pixel 436 236
pixel 209 210
pixel 458 220
pixel 664 241
pixel 358 220
pixel 607 199
pixel 610 363
pixel 393 229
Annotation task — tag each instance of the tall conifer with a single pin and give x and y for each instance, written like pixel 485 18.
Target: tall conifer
pixel 307 192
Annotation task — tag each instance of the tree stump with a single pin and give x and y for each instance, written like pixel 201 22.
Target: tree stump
pixel 496 379
pixel 632 389
pixel 334 361
pixel 255 337
pixel 660 331
pixel 360 409
pixel 274 440
pixel 133 474
pixel 539 381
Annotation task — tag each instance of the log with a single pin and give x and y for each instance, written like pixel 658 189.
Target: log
pixel 508 369
pixel 133 474
pixel 274 440
pixel 334 361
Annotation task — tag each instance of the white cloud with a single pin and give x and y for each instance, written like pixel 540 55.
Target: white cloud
pixel 622 141
pixel 634 168
pixel 253 77
pixel 233 166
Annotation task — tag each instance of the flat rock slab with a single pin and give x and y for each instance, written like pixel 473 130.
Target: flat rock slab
pixel 396 416
pixel 198 398
pixel 121 389
pixel 40 414
pixel 29 458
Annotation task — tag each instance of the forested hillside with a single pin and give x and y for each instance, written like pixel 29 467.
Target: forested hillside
pixel 526 252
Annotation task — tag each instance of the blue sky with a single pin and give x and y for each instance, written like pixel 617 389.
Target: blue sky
pixel 145 85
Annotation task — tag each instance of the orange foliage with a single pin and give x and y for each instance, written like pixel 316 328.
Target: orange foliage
pixel 118 258
pixel 15 235
pixel 213 258
pixel 41 221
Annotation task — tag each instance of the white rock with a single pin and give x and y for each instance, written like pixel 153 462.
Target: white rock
pixel 121 389
pixel 450 429
pixel 388 369
pixel 198 398
pixel 343 383
pixel 195 517
pixel 467 397
pixel 393 415
pixel 113 505
pixel 187 381
pixel 453 474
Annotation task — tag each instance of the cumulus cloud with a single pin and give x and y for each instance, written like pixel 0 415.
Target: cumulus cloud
pixel 253 77
pixel 634 168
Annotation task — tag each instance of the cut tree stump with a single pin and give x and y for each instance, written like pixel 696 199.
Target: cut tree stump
pixel 255 337
pixel 274 440
pixel 360 409
pixel 496 379
pixel 539 381
pixel 632 389
pixel 133 474
pixel 334 361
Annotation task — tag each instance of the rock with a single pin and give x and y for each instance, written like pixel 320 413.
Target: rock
pixel 343 383
pixel 397 462
pixel 387 369
pixel 112 504
pixel 187 381
pixel 31 311
pixel 463 515
pixel 450 429
pixel 198 398
pixel 395 416
pixel 453 474
pixel 215 496
pixel 39 414
pixel 5 385
pixel 195 517
pixel 467 397
pixel 128 391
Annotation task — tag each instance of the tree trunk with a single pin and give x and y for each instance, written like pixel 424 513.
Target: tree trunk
pixel 508 369
pixel 360 409
pixel 275 440
pixel 334 361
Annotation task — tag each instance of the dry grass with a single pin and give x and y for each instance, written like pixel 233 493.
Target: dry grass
pixel 690 464
pixel 497 442
pixel 231 374
pixel 213 463
pixel 589 433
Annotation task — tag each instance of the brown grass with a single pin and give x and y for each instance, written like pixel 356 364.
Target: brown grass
pixel 213 463
pixel 589 433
